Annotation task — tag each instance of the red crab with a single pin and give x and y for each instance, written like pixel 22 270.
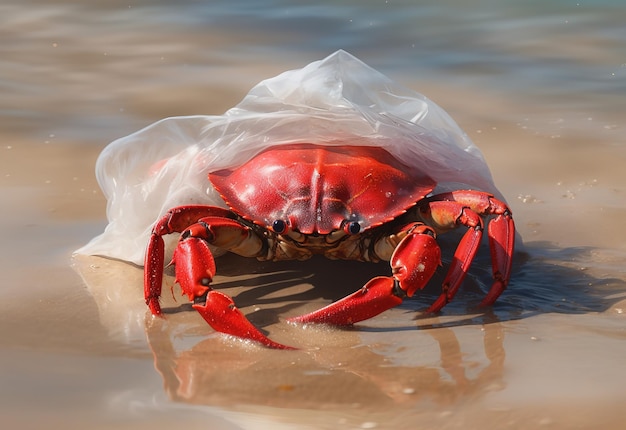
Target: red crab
pixel 344 202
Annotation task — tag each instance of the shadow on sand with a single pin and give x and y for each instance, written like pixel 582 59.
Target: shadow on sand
pixel 459 355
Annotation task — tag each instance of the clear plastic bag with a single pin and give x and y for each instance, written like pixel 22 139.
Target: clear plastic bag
pixel 335 101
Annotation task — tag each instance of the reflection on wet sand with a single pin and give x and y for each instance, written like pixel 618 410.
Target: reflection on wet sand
pixel 402 358
pixel 212 373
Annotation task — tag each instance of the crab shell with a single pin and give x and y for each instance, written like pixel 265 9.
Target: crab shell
pixel 336 101
pixel 316 190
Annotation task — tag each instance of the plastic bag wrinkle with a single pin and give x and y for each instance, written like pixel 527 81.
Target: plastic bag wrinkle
pixel 335 101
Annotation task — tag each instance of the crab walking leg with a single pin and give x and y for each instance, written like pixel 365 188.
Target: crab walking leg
pixel 501 233
pixel 413 263
pixel 465 252
pixel 466 207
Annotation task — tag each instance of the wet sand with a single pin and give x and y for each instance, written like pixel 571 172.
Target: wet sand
pixel 79 349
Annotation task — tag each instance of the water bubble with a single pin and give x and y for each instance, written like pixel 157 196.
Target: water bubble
pixel 527 198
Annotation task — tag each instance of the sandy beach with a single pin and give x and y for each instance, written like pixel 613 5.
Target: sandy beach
pixel 81 347
pixel 78 348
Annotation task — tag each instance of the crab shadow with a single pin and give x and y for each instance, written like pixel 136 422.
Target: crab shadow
pixel 435 367
pixel 460 355
pixel 545 279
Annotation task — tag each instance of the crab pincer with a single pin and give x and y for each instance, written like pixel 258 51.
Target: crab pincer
pixel 413 263
pixel 220 312
pixel 195 267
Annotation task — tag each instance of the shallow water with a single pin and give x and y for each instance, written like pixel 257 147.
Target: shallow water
pixel 539 87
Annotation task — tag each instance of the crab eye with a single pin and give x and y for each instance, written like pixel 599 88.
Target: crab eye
pixel 279 226
pixel 352 227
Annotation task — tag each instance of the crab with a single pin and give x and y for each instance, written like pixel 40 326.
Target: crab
pixel 293 201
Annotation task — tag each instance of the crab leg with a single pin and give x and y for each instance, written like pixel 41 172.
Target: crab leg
pixel 450 210
pixel 413 263
pixel 174 221
pixel 501 233
pixel 195 266
pixel 465 251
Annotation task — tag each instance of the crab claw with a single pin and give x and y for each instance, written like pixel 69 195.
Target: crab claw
pixel 220 312
pixel 195 268
pixel 413 263
pixel 375 297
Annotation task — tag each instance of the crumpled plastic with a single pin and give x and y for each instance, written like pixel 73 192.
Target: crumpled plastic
pixel 335 101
